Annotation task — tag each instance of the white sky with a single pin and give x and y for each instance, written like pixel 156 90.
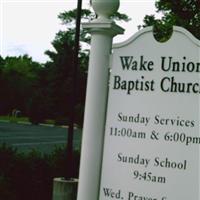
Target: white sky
pixel 29 26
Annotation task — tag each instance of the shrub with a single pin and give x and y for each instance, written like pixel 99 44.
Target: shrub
pixel 30 176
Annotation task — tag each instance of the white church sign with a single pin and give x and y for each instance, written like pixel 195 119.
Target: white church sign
pixel 152 138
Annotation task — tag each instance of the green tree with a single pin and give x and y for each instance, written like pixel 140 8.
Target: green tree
pixel 59 73
pixel 2 62
pixel 185 13
pixel 2 83
pixel 18 77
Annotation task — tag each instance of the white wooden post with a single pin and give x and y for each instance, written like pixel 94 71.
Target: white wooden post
pixel 102 30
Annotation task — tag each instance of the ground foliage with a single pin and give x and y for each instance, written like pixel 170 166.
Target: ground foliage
pixel 30 176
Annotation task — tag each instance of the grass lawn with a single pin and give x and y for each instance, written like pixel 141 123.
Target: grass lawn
pixel 22 119
pixel 13 119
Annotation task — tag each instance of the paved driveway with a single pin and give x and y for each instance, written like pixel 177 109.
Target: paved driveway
pixel 26 137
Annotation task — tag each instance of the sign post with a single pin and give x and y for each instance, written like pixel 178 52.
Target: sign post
pixel 142 140
pixel 152 136
pixel 102 30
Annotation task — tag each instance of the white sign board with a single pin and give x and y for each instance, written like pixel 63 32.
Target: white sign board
pixel 152 138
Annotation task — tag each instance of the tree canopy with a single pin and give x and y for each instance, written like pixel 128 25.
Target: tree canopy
pixel 184 13
pixel 19 77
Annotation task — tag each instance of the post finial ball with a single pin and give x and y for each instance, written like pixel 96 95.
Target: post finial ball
pixel 105 8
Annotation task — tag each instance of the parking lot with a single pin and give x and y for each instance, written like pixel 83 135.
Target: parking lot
pixel 26 137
